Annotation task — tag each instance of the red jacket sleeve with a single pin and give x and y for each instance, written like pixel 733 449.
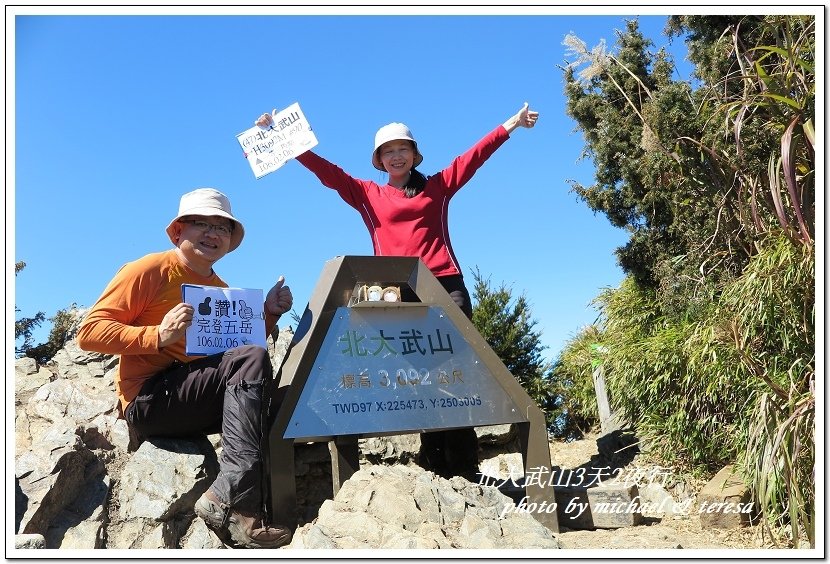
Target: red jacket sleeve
pixel 462 169
pixel 332 176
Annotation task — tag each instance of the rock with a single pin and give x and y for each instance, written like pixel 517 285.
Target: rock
pixel 502 469
pixel 609 506
pixel 521 531
pixel 50 476
pixel 129 534
pixel 165 477
pixel 29 541
pixel 28 376
pixel 659 501
pixel 27 430
pixel 82 523
pixel 76 486
pixel 724 502
pixel 62 399
pixel 394 449
pixel 24 367
pixel 475 532
pixel 198 536
pixel 496 435
pixel 73 472
pixel 312 470
pixel 105 432
pixel 79 365
pixel 278 346
pixel 409 507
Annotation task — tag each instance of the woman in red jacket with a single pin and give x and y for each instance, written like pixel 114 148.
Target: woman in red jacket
pixel 407 216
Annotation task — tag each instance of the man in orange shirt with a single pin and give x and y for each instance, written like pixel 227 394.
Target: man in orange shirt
pixel 164 392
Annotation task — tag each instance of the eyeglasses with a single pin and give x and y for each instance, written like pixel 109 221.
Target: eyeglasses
pixel 205 227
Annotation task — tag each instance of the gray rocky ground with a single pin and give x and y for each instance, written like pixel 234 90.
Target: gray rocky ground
pixel 76 487
pixel 658 531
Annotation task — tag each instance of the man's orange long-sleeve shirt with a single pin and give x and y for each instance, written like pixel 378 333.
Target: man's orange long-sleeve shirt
pixel 125 319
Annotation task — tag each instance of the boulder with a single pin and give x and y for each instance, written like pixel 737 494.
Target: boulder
pixel 408 507
pixel 724 502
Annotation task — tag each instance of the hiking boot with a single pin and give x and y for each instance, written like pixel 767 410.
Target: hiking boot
pixel 243 528
pixel 248 530
pixel 211 510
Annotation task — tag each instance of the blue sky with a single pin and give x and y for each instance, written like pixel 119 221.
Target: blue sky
pixel 114 117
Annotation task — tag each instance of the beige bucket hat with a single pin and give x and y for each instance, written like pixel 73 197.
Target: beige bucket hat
pixel 393 132
pixel 208 202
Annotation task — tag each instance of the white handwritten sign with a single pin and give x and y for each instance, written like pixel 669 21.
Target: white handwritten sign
pixel 223 318
pixel 268 148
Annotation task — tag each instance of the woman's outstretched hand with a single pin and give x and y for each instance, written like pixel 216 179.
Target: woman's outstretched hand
pixel 527 118
pixel 265 120
pixel 523 118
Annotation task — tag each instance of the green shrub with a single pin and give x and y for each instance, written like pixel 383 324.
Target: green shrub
pixel 773 314
pixel 575 411
pixel 674 380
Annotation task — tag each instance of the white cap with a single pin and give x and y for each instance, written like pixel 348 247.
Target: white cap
pixel 394 132
pixel 208 202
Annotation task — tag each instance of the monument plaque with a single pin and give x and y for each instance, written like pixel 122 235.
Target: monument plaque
pixel 362 368
pixel 396 369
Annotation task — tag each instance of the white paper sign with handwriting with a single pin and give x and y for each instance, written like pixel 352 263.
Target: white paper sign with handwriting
pixel 223 318
pixel 268 148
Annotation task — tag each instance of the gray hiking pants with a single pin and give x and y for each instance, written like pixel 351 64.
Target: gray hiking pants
pixel 221 392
